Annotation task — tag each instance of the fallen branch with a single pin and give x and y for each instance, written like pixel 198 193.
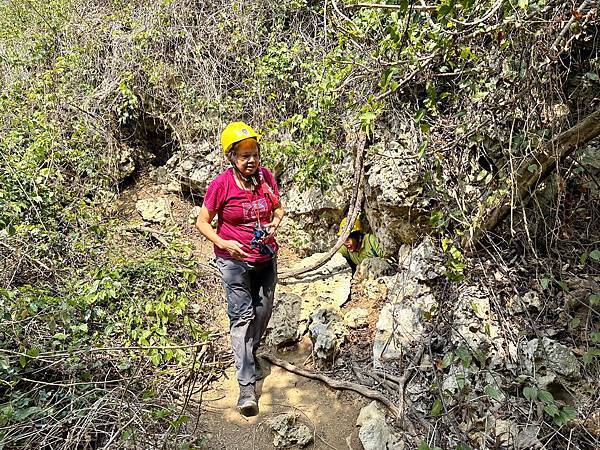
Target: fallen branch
pixel 543 163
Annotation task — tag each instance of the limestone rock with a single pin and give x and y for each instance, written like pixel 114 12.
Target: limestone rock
pixel 312 215
pixel 374 433
pixel 551 355
pixel 519 304
pixel 156 210
pixel 402 323
pixel 527 438
pixel 424 262
pixel 393 190
pixel 285 320
pixel 506 431
pixel 327 333
pixel 288 432
pixel 373 268
pixel 193 216
pixel 194 167
pixel 126 165
pixel 356 317
pixel 327 286
pixel 473 326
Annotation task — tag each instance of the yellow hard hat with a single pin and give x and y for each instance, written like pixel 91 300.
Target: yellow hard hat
pixel 236 132
pixel 356 227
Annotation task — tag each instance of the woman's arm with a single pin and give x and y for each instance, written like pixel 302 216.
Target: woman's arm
pixel 234 248
pixel 278 214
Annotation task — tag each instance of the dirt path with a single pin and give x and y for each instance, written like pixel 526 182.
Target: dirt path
pixel 331 415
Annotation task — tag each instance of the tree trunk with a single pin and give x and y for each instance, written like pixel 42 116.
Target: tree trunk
pixel 545 161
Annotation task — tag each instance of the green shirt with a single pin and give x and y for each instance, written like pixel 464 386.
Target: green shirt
pixel 369 248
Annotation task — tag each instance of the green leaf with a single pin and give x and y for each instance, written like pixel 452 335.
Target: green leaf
pixel 436 409
pixel 423 446
pixel 24 413
pixel 575 323
pixel 448 359
pixel 460 381
pixel 566 414
pixel 533 168
pixel 420 115
pixel 552 409
pixel 544 283
pixel 465 356
pixel 563 286
pixel 594 299
pixel 546 397
pixel 33 352
pixel 592 76
pixel 590 355
pixel 530 393
pixel 595 254
pixel 523 4
pixel 491 392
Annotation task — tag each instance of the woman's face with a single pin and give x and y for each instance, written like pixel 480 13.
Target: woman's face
pixel 247 157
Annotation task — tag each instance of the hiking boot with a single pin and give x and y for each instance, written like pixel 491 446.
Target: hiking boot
pixel 247 404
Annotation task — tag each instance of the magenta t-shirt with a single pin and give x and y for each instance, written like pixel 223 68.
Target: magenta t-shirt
pixel 237 210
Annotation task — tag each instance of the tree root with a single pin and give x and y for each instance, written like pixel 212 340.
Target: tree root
pixel 335 384
pixel 355 387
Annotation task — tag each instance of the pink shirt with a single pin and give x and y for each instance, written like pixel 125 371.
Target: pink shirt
pixel 237 210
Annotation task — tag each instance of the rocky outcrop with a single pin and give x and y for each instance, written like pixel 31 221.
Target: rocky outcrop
pixel 191 169
pixel 402 320
pixel 313 216
pixel 157 210
pixel 285 320
pixel 373 268
pixel 297 299
pixel 393 191
pixel 374 433
pixel 552 356
pixel 288 432
pixel 327 333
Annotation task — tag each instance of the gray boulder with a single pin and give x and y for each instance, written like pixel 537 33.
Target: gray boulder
pixel 373 268
pixel 288 432
pixel 374 433
pixel 551 355
pixel 327 333
pixel 157 210
pixel 285 320
pixel 193 168
pixel 356 317
pixel 393 191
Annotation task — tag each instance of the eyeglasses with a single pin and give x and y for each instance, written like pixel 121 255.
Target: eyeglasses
pixel 246 158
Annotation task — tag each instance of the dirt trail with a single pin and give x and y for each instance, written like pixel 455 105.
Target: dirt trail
pixel 331 415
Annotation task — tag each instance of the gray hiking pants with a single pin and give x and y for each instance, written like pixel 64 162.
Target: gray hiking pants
pixel 249 288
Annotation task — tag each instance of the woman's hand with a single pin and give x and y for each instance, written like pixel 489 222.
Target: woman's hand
pixel 234 248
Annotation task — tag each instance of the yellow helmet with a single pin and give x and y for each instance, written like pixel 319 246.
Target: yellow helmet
pixel 357 226
pixel 236 132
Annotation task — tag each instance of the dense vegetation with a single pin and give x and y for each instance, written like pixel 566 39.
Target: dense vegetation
pixel 90 89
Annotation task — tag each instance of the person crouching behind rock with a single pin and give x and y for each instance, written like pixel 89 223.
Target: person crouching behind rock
pixel 245 198
pixel 358 245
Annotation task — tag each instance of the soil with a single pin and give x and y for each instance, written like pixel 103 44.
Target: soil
pixel 330 415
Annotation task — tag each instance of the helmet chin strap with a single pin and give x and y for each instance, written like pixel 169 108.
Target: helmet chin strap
pixel 253 179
